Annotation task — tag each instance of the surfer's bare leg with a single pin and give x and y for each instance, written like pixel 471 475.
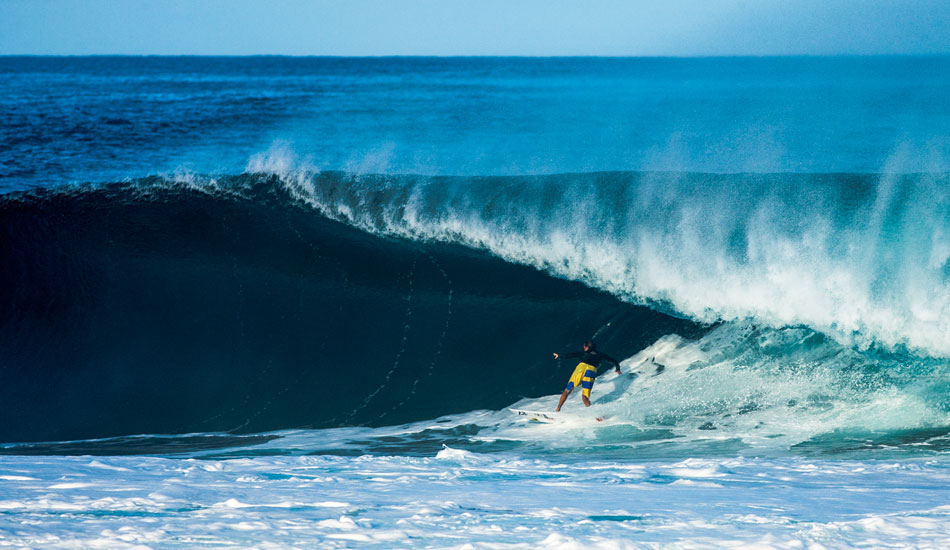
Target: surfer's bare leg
pixel 564 395
pixel 586 400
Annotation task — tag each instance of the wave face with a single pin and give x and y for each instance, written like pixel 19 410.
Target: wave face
pixel 288 298
pixel 167 307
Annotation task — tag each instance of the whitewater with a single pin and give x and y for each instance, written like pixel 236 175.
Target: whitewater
pixel 287 302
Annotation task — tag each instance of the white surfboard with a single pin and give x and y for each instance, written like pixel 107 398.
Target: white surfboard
pixel 536 416
pixel 548 417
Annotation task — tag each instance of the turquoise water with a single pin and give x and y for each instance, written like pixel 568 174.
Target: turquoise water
pixel 105 119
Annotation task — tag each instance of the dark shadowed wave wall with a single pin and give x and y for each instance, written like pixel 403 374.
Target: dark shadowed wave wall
pixel 149 307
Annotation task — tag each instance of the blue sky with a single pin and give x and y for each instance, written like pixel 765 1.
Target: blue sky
pixel 488 27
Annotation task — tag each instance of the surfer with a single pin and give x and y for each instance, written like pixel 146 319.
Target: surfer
pixel 585 371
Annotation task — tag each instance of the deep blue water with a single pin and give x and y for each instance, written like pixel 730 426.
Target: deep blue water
pixel 106 119
pixel 251 244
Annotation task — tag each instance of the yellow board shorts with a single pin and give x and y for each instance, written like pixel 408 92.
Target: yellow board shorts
pixel 584 377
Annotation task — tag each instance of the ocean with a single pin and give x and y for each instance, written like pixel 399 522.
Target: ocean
pixel 269 302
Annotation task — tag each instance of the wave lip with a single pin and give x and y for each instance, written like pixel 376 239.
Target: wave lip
pixel 864 258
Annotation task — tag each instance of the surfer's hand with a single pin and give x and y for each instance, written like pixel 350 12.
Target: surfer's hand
pixel 555 356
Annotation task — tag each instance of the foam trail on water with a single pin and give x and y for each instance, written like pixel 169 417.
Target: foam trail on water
pixel 742 388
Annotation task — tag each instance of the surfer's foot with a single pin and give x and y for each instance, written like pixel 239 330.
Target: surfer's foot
pixel 599 419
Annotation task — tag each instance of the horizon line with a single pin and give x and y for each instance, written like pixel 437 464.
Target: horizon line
pixel 479 56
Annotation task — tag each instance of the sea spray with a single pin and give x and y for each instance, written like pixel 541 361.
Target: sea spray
pixel 863 258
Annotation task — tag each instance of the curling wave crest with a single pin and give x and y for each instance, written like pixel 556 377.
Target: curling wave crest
pixel 864 258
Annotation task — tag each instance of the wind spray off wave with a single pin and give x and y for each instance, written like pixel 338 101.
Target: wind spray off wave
pixel 864 258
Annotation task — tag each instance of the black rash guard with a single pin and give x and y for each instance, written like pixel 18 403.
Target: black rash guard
pixel 591 357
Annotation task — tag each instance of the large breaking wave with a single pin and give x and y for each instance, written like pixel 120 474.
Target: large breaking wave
pixel 286 298
pixel 165 307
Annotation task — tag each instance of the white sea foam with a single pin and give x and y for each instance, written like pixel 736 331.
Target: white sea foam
pixel 747 390
pixel 489 502
pixel 453 454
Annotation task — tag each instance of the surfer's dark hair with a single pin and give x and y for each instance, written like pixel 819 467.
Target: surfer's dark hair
pixel 590 344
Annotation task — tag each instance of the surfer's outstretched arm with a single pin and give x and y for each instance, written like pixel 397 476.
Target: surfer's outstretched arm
pixel 610 359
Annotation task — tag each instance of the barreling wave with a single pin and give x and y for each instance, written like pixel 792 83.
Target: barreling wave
pixel 286 297
pixel 177 306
